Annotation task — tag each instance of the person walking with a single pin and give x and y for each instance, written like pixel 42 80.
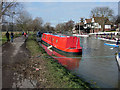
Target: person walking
pixel 7 36
pixel 24 34
pixel 12 35
pixel 117 39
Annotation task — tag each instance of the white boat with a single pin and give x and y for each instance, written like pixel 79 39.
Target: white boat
pixel 118 60
pixel 107 39
pixel 104 33
pixel 79 35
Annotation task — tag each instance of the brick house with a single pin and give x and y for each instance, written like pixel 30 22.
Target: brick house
pixel 97 24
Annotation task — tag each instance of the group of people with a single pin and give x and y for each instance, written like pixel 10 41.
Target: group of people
pixel 11 35
pixel 8 36
pixel 25 34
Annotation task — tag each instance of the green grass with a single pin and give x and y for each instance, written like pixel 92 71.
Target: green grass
pixel 57 74
pixel 4 39
pixel 33 46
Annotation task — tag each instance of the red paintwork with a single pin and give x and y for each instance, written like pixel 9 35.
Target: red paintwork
pixel 66 43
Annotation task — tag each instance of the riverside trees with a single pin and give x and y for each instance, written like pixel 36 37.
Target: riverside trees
pixel 8 9
pixel 65 27
pixel 102 11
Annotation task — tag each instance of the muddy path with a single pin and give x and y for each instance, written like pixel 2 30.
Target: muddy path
pixel 14 55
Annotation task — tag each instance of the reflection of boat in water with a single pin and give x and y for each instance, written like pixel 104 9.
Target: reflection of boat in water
pixel 68 62
pixel 62 43
pixel 118 60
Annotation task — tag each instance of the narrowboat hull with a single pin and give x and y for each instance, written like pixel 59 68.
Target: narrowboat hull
pixel 64 44
pixel 69 62
pixel 61 51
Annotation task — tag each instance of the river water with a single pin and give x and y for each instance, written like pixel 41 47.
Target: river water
pixel 97 64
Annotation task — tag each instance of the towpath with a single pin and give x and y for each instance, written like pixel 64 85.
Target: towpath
pixel 20 70
pixel 13 55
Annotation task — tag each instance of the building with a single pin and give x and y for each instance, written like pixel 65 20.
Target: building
pixel 79 27
pixel 94 24
pixel 98 24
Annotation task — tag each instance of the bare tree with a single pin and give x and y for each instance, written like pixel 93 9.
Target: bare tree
pixel 47 27
pixel 8 11
pixel 37 24
pixel 117 20
pixel 102 11
pixel 65 27
pixel 114 19
pixel 60 27
pixel 69 25
pixel 6 8
pixel 24 21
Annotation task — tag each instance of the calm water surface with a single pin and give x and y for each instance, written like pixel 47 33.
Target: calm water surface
pixel 97 64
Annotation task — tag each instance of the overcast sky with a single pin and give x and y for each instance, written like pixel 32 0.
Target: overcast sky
pixel 59 12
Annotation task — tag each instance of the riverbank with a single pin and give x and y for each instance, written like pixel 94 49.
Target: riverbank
pixel 50 73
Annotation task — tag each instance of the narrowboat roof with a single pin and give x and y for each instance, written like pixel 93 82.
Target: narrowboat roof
pixel 57 35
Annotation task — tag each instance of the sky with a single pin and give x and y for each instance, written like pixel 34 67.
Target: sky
pixel 60 12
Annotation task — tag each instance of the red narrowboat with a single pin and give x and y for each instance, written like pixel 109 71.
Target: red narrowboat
pixel 65 44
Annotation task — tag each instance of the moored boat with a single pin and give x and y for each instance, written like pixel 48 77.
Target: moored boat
pixel 109 44
pixel 62 43
pixel 79 35
pixel 110 40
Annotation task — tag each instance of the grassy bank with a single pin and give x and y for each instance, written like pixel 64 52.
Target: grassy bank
pixel 55 75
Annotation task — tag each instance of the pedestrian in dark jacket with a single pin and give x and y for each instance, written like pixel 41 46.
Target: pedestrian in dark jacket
pixel 12 35
pixel 7 35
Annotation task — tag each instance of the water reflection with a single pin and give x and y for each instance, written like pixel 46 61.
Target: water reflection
pixel 69 62
pixel 100 66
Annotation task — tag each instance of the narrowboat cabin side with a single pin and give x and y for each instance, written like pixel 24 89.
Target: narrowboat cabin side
pixel 67 44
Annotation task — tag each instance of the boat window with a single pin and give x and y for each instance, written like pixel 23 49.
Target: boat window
pixel 49 38
pixel 52 39
pixel 43 36
pixel 56 40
